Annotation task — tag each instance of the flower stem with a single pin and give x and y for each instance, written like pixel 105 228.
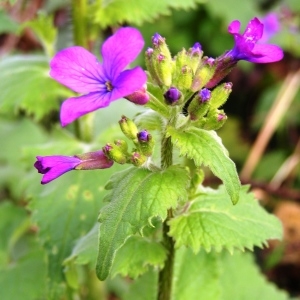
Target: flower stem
pixel 79 16
pixel 166 274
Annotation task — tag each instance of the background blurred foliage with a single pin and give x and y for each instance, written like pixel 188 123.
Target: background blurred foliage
pixel 30 33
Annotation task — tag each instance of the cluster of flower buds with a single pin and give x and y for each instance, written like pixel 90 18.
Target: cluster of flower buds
pixel 142 140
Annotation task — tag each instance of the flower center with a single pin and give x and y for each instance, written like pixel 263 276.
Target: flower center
pixel 109 86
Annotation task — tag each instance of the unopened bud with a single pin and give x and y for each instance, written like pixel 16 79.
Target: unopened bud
pixel 200 105
pixel 140 96
pixel 145 143
pixel 195 54
pixel 163 68
pixel 128 128
pixel 122 145
pixel 172 95
pixel 138 159
pixel 215 120
pixel 203 74
pixel 114 153
pixel 220 94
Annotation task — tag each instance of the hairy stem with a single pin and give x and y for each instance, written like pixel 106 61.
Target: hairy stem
pixel 166 274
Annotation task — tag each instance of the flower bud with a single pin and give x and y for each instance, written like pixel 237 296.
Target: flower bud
pixel 145 143
pixel 128 128
pixel 172 95
pixel 163 68
pixel 159 43
pixel 138 159
pixel 203 74
pixel 220 94
pixel 200 105
pixel 185 78
pixel 140 96
pixel 215 119
pixel 195 54
pixel 122 145
pixel 149 56
pixel 115 153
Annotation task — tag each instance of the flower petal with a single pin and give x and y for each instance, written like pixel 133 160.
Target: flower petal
pixel 253 31
pixel 120 50
pixel 58 165
pixel 78 69
pixel 234 27
pixel 128 82
pixel 265 54
pixel 75 107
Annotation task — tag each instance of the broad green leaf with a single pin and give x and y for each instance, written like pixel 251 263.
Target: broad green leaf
pixel 137 196
pixel 26 85
pixel 242 279
pixel 212 222
pixel 64 211
pixel 25 279
pixel 108 13
pixel 136 256
pixel 205 147
pixel 13 223
pixel 85 249
pixel 143 288
pixel 196 276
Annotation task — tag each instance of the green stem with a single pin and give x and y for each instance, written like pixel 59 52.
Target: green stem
pixel 79 13
pixel 83 127
pixel 166 274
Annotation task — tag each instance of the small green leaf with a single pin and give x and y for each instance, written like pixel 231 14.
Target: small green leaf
pixel 136 256
pixel 196 276
pixel 212 222
pixel 149 120
pixel 43 27
pixel 138 195
pixel 205 147
pixel 26 85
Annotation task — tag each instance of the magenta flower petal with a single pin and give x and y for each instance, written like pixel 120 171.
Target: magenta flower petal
pixel 266 53
pixel 120 50
pixel 234 27
pixel 246 47
pixel 128 82
pixel 55 166
pixel 75 107
pixel 78 69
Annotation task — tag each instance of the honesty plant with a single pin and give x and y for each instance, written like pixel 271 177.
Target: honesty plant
pixel 159 203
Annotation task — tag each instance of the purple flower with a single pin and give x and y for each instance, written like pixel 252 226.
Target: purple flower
pixel 100 83
pixel 56 165
pixel 172 95
pixel 143 136
pixel 205 95
pixel 246 47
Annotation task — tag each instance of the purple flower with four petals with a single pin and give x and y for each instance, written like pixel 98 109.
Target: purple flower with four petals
pixel 57 165
pixel 100 83
pixel 246 46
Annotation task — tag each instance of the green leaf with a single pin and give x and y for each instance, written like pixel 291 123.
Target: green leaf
pixel 242 279
pixel 7 24
pixel 25 279
pixel 205 147
pixel 212 222
pixel 107 13
pixel 26 85
pixel 138 195
pixel 149 120
pixel 64 211
pixel 136 256
pixel 196 276
pixel 43 27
